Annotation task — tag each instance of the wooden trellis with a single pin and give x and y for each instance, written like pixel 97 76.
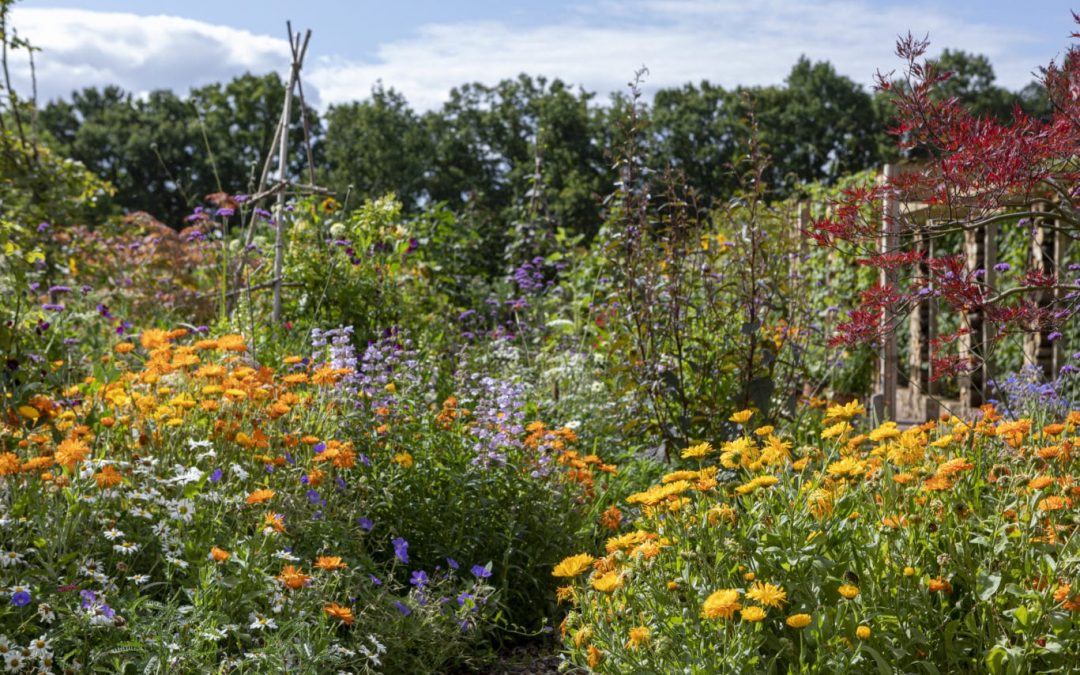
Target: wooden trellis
pixel 907 226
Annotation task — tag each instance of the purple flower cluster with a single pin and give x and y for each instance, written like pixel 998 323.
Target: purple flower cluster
pixel 498 414
pixel 1028 392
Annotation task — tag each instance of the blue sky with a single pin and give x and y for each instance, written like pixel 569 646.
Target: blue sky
pixel 423 48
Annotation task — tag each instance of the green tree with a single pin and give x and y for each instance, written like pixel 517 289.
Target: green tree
pixel 818 127
pixel 378 146
pixel 240 119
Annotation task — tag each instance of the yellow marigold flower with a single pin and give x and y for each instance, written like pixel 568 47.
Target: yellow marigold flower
pixel 848 467
pixel 741 417
pixel 884 432
pixel 697 451
pixel 863 632
pixel 342 614
pixel 753 613
pixel 943 442
pixel 848 591
pixel 607 583
pixel 723 512
pixel 259 496
pixel 404 459
pixel 293 577
pixel 764 431
pixel 219 554
pixel 845 412
pixel 638 636
pixel 722 604
pixel 679 475
pixel 798 621
pixel 820 503
pixel 565 593
pixel 767 594
pixel 573 565
pixel 840 429
pixel 329 562
pixel 909 571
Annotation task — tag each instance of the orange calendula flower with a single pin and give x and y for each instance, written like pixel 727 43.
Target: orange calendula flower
pixel 940 585
pixel 259 496
pixel 611 518
pixel 330 562
pixel 342 614
pixel 955 466
pixel 1054 503
pixel 232 343
pixel 638 636
pixel 293 577
pixel 124 348
pixel 71 452
pixel 595 656
pixel 219 554
pixel 275 522
pixel 153 338
pixel 9 464
pixel 1040 482
pixel 108 477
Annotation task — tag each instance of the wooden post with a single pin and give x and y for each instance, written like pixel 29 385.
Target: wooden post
pixel 888 360
pixel 283 164
pixel 1047 253
pixel 923 331
pixel 980 252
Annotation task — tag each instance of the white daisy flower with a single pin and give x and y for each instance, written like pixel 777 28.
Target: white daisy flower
pixel 260 622
pixel 126 548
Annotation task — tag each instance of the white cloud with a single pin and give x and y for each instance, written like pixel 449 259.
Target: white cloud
pixel 599 47
pixel 82 48
pixel 728 42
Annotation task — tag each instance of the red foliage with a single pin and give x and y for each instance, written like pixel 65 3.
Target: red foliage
pixel 973 170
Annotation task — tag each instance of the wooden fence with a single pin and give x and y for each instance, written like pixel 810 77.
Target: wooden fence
pixel 914 396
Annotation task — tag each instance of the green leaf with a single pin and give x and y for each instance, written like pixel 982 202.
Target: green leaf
pixel 988 585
